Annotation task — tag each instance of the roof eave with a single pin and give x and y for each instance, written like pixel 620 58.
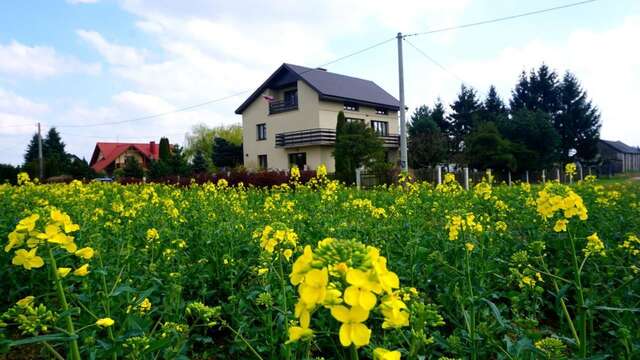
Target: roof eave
pixel 359 102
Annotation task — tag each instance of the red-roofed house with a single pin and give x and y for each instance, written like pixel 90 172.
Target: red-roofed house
pixel 110 156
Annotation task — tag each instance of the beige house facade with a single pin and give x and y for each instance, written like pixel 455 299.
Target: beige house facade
pixel 291 118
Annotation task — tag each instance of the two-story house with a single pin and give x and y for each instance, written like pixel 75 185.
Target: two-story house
pixel 291 118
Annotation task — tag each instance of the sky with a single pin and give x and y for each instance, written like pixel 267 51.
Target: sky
pixel 73 64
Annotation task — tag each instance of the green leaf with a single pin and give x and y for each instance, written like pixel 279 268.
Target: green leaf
pixel 41 338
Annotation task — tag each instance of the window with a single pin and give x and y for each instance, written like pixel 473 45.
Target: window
pixel 291 97
pixel 262 162
pixel 351 106
pixel 261 131
pixel 298 159
pixel 380 127
pixel 354 120
pixel 382 111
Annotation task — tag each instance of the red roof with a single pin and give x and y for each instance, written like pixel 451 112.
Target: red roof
pixel 111 151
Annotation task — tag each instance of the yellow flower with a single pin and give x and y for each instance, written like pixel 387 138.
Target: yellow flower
pixel 384 354
pixel 360 293
pixel 85 253
pixel 145 305
pixel 15 240
pixel 26 301
pixel 469 246
pixel 105 322
pixel 395 314
pixel 321 171
pixel 28 259
pixel 263 271
pixel 152 234
pixel 314 288
pixel 82 270
pixel 301 266
pixel 28 224
pixel 287 254
pixel 561 225
pixel 296 333
pixel 63 271
pixel 295 173
pixel 594 246
pixel 352 330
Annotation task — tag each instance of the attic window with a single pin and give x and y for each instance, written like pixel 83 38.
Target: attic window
pixel 382 111
pixel 351 106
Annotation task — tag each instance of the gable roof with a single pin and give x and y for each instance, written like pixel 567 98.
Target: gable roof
pixel 111 151
pixel 619 146
pixel 329 86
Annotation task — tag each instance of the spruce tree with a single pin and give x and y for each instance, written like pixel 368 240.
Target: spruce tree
pixel 578 121
pixel 32 150
pixel 164 151
pixel 199 163
pixel 225 153
pixel 521 94
pixel 53 145
pixel 465 112
pixel 493 108
pixel 178 162
pixel 486 148
pixel 132 168
pixel 356 145
pixel 341 166
pixel 427 145
pixel 535 140
pixel 544 90
pixel 438 114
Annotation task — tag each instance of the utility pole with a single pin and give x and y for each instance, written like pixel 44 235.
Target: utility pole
pixel 40 160
pixel 403 126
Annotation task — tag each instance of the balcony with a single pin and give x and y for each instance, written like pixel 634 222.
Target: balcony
pixel 280 106
pixel 322 136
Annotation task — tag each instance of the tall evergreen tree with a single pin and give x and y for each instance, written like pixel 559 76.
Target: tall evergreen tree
pixel 53 145
pixel 199 163
pixel 578 121
pixel 356 145
pixel 485 148
pixel 427 145
pixel 132 168
pixel 465 112
pixel 544 90
pixel 178 162
pixel 521 94
pixel 535 141
pixel 226 154
pixel 438 114
pixel 341 166
pixel 493 108
pixel 164 151
pixel 32 150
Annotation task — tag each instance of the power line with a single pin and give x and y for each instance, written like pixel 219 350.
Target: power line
pixel 218 99
pixel 511 17
pixel 434 61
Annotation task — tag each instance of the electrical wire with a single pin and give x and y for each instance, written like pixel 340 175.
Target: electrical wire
pixel 504 18
pixel 147 117
pixel 434 61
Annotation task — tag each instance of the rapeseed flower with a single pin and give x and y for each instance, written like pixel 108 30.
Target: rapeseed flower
pixel 384 354
pixel 85 253
pixel 27 259
pixel 352 330
pixel 105 322
pixel 82 270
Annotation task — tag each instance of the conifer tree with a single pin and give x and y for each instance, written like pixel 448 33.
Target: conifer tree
pixel 465 112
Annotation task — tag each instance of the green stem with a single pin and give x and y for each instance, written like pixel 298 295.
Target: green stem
pixel 244 340
pixel 472 333
pixel 53 351
pixel 564 306
pixel 107 306
pixel 354 352
pixel 75 351
pixel 581 313
pixel 284 301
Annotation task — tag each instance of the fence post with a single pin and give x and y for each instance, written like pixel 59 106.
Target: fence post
pixel 526 176
pixel 439 174
pixel 358 177
pixel 558 175
pixel 544 176
pixel 466 178
pixel 509 177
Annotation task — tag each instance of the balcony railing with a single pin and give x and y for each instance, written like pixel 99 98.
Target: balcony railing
pixel 322 136
pixel 279 106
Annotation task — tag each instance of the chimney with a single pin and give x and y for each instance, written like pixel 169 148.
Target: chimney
pixel 152 151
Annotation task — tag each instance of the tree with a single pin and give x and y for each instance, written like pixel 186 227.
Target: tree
pixel 427 145
pixel 32 150
pixel 578 121
pixel 199 163
pixel 8 173
pixel 202 137
pixel 132 168
pixel 164 151
pixel 439 117
pixel 535 141
pixel 356 145
pixel 158 169
pixel 341 165
pixel 80 169
pixel 226 154
pixel 178 162
pixel 521 94
pixel 485 148
pixel 466 112
pixel 537 92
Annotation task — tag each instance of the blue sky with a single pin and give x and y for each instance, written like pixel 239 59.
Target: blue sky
pixel 82 62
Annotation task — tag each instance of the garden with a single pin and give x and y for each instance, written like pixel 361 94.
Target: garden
pixel 313 269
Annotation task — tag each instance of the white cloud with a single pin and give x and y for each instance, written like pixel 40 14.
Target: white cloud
pixel 18 114
pixel 114 54
pixel 39 62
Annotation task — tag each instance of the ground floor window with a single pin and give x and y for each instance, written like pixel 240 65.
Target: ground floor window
pixel 262 162
pixel 298 159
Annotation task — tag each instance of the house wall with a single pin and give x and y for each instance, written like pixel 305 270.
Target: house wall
pixel 305 117
pixel 311 114
pixel 119 161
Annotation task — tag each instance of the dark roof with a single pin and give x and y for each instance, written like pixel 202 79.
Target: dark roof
pixel 329 86
pixel 619 146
